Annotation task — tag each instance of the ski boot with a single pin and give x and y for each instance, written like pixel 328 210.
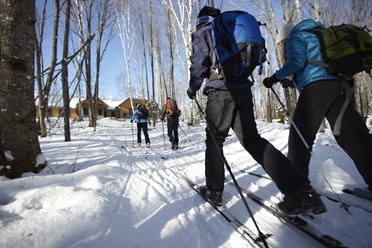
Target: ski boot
pixel 214 197
pixel 305 201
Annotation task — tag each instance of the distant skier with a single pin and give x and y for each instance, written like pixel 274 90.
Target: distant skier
pixel 141 116
pixel 172 113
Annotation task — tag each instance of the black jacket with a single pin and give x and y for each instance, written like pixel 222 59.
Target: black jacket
pixel 201 63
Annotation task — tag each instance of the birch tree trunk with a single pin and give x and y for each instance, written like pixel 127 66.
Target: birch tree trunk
pixel 152 51
pixel 126 31
pixel 65 87
pixel 39 66
pixel 19 144
pixel 92 104
pixel 143 48
pixel 170 35
pixel 44 91
pixel 105 20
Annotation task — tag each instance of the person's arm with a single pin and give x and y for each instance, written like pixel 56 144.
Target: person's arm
pixel 200 60
pixel 163 111
pixel 134 116
pixel 296 53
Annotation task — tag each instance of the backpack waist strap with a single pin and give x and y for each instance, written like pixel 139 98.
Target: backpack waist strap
pixel 346 87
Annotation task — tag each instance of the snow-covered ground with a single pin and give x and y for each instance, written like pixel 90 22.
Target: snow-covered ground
pixel 94 193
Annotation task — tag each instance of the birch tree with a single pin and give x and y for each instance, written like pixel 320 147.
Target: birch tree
pixel 65 86
pixel 105 20
pixel 83 22
pixel 182 16
pixel 126 29
pixel 268 16
pixel 19 144
pixel 142 31
pixel 44 88
pixel 170 35
pixel 151 50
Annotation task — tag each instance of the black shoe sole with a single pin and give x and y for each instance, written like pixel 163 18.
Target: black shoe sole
pixel 313 210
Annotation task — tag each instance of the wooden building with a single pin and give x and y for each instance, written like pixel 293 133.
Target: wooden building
pixel 105 108
pixel 122 109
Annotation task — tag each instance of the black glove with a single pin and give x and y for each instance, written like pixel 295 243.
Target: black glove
pixel 270 81
pixel 190 94
pixel 162 119
pixel 286 83
pixel 131 121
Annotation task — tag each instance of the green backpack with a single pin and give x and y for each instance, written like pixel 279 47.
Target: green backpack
pixel 346 49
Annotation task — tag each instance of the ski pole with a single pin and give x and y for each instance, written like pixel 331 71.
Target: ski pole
pixel 132 135
pixel 184 133
pixel 261 237
pixel 162 124
pixel 344 205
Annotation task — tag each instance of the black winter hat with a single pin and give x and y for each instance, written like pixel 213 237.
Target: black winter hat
pixel 208 11
pixel 207 14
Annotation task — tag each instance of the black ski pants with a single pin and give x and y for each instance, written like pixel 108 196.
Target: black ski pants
pixel 142 126
pixel 234 109
pixel 325 99
pixel 172 126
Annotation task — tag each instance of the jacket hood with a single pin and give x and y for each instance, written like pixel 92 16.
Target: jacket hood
pixel 307 24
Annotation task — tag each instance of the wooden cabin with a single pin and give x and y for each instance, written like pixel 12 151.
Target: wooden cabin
pixel 122 109
pixel 105 108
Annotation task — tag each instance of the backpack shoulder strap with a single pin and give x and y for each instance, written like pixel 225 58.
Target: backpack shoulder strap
pixel 318 33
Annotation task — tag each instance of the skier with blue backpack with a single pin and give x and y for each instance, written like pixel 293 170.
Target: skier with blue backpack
pixel 141 115
pixel 230 105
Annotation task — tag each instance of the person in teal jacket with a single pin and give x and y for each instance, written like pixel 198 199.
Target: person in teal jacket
pixel 141 117
pixel 321 95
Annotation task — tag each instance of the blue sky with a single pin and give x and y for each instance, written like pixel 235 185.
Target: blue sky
pixel 113 62
pixel 111 66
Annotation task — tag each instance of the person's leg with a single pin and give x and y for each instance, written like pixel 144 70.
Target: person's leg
pixel 175 131
pixel 354 137
pixel 169 128
pixel 299 194
pixel 219 115
pixel 312 106
pixel 147 139
pixel 286 176
pixel 139 127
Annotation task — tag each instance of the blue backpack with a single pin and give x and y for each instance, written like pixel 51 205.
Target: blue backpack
pixel 239 45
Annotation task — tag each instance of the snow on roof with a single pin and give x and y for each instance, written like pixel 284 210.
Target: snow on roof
pixel 112 104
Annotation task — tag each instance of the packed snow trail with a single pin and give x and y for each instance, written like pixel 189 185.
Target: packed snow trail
pixel 158 174
pixel 162 194
pixel 93 193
